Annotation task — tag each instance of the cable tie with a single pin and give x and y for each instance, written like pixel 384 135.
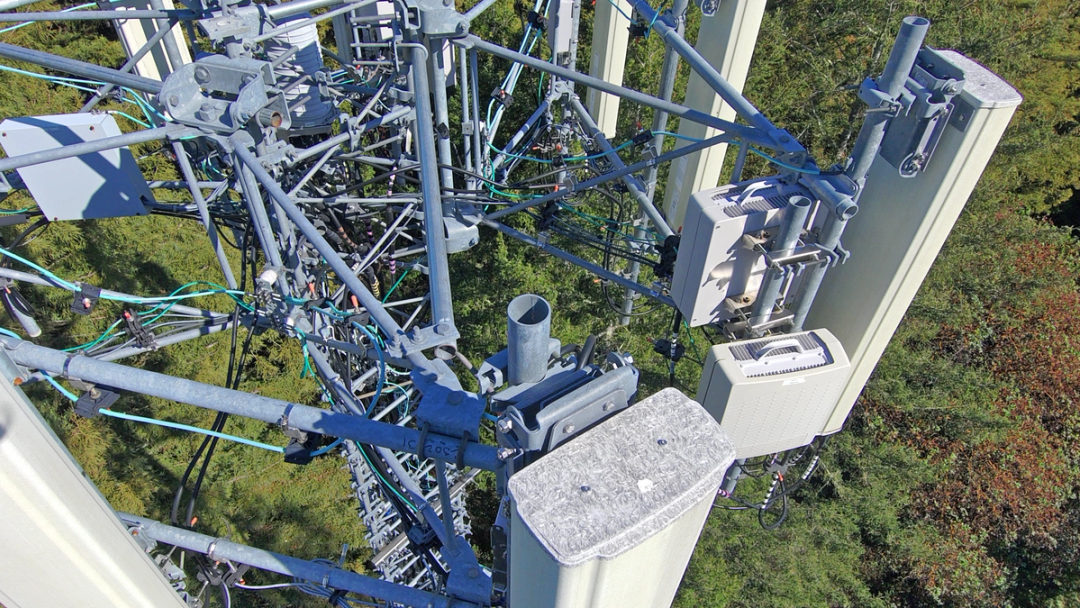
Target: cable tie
pixel 460 462
pixel 67 362
pixel 423 439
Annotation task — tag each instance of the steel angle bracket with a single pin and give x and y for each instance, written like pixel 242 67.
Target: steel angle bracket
pixel 447 409
pixel 789 151
pixel 221 95
pixel 439 18
pixel 926 106
pixel 234 23
pixel 421 339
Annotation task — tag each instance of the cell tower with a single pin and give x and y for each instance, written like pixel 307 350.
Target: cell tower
pixel 336 183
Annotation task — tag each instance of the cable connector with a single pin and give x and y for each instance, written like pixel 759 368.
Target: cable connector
pixel 547 215
pixel 537 20
pixel 236 574
pixel 299 451
pixel 643 138
pixel 501 96
pixel 301 443
pixel 663 348
pixel 85 299
pixel 669 253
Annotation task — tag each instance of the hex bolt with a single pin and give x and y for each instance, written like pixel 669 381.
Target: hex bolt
pixel 202 75
pixel 504 425
pixel 568 429
pixel 174 100
pixel 610 405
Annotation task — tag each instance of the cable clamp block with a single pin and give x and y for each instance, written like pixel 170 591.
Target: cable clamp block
pixel 93 400
pixel 144 338
pixel 85 299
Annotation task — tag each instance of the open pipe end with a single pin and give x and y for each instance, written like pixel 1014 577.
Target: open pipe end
pixel 528 330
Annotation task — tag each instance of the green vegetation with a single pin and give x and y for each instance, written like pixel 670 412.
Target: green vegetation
pixel 957 481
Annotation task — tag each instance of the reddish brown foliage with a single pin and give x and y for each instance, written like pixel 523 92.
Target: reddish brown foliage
pixel 1004 495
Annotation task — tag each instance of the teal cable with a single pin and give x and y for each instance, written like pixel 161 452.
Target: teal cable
pixel 202 431
pixel 63 391
pixel 193 429
pixel 383 479
pixel 400 279
pixel 621 12
pixel 783 164
pixel 775 161
pixel 95 342
pixel 66 10
pixel 68 285
pixel 621 146
pixel 160 299
pixel 520 156
pixel 323 450
pixel 7 68
pixel 130 117
pixel 656 15
pixel 679 136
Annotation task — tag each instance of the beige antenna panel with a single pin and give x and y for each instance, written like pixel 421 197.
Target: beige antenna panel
pixel 135 32
pixel 610 519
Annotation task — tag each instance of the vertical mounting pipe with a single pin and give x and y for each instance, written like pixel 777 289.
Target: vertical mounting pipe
pixel 442 307
pixel 902 58
pixel 528 330
pixel 797 210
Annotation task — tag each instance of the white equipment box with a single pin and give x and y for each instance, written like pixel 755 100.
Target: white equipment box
pixel 718 271
pixel 91 186
pixel 774 394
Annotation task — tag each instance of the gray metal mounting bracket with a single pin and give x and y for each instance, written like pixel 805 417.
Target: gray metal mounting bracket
pixel 927 105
